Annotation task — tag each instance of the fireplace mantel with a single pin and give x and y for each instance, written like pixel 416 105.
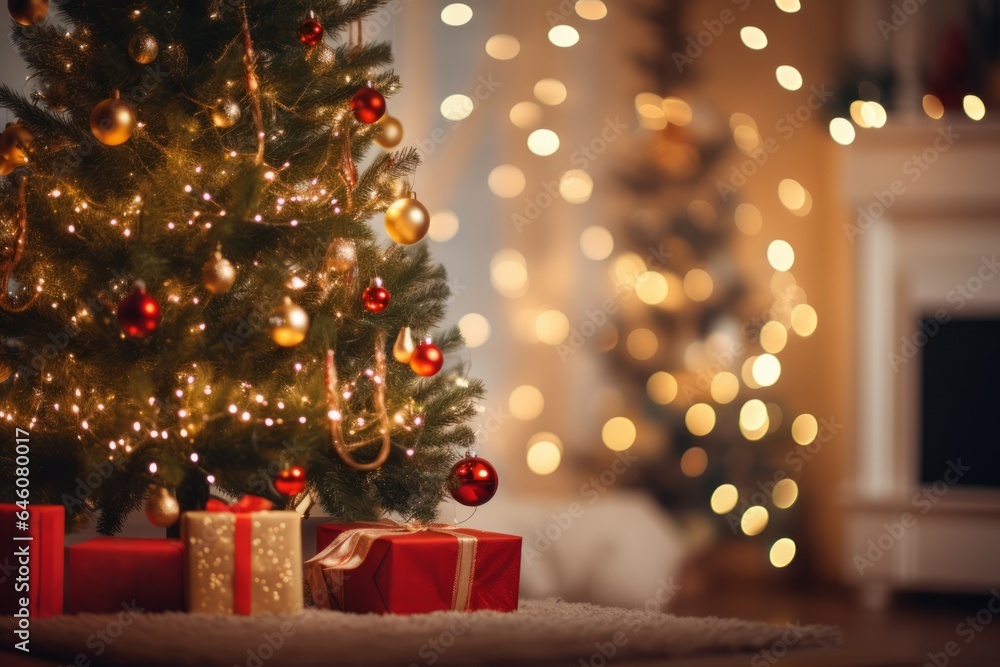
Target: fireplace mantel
pixel 923 199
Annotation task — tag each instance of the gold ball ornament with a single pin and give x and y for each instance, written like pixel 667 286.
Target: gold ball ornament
pixel 289 324
pixel 162 508
pixel 225 113
pixel 5 372
pixel 6 168
pixel 143 47
pixel 28 12
pixel 113 121
pixel 15 144
pixel 407 221
pixel 218 274
pixel 390 132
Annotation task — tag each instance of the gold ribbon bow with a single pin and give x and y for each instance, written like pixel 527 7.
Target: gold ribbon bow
pixel 349 549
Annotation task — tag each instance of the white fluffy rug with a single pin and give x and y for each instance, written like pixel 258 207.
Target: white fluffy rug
pixel 539 631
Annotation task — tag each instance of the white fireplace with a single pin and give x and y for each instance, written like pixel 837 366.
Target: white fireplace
pixel 924 217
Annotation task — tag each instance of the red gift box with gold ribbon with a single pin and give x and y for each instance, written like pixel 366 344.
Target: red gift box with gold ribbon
pixel 385 567
pixel 242 558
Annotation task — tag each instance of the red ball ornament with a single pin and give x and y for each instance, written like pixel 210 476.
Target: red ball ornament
pixel 290 481
pixel 368 105
pixel 310 32
pixel 427 359
pixel 473 481
pixel 375 297
pixel 139 313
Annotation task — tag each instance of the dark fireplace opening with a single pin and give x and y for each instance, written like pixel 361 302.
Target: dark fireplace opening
pixel 960 401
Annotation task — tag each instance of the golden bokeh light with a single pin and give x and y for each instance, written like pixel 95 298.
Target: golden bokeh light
pixel 456 14
pixel 746 372
pixel 788 77
pixel 551 327
pixel 457 107
pixel 789 6
pixel 694 462
pixel 661 388
pixel 475 329
pixel 842 131
pixel 974 107
pixel 700 419
pixel 784 493
pixel 444 226
pixel 642 344
pixel 698 284
pixel 506 181
pixel 791 194
pixel 773 337
pixel 804 320
pixel 550 91
pixel 748 219
pixel 724 499
pixel 503 47
pixel 873 114
pixel 591 10
pixel 618 434
pixel 857 116
pixel 543 142
pixel 782 552
pixel 677 111
pixel 766 370
pixel 753 415
pixel 543 457
pixel 564 35
pixel 597 243
pixel 780 255
pixel 725 387
pixel 628 267
pixel 576 186
pixel 774 417
pixel 753 37
pixel 526 115
pixel 509 273
pixel 651 287
pixel 804 429
pixel 933 106
pixel 747 139
pixel 526 402
pixel 754 520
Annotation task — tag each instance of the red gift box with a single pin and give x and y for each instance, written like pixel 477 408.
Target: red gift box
pixel 36 552
pixel 412 569
pixel 106 573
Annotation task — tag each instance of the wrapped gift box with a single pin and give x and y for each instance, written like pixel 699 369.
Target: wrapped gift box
pixel 107 574
pixel 32 559
pixel 389 568
pixel 242 561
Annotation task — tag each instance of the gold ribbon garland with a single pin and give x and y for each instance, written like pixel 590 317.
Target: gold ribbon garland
pixel 340 445
pixel 348 551
pixel 17 252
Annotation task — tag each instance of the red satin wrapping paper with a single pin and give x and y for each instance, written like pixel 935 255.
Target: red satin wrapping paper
pixel 414 573
pixel 106 573
pixel 47 528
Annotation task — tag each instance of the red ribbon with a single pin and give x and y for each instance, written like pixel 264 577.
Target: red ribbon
pixel 242 545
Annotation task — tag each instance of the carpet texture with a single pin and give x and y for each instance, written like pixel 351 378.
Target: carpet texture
pixel 538 631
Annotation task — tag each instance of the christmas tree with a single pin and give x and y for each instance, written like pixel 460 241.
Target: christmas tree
pixel 193 291
pixel 698 339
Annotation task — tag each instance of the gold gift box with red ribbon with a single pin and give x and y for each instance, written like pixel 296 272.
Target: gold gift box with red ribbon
pixel 385 567
pixel 242 558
